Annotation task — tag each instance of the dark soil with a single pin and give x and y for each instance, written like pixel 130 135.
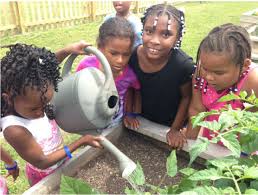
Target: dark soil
pixel 103 172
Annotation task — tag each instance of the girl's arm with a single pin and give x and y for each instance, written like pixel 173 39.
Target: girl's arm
pixel 6 157
pixel 195 108
pixel 132 108
pixel 26 146
pixel 137 106
pixel 74 48
pixel 10 164
pixel 174 136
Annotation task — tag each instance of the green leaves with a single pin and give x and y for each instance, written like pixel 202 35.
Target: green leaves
pixel 229 97
pixel 172 164
pixel 74 186
pixel 201 116
pixel 207 174
pixel 222 163
pixel 138 177
pixel 251 173
pixel 200 146
pixel 231 142
pixel 214 125
pixel 188 171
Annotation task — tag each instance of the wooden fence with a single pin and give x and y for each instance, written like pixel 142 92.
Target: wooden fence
pixel 27 16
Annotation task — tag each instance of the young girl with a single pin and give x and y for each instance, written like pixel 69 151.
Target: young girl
pixel 115 41
pixel 223 66
pixel 164 70
pixel 29 77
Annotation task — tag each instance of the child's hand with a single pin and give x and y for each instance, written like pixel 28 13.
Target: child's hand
pixel 77 47
pixel 131 122
pixel 14 173
pixel 91 140
pixel 176 139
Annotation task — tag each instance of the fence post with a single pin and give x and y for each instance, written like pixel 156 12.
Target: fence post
pixel 136 8
pixel 17 15
pixel 92 10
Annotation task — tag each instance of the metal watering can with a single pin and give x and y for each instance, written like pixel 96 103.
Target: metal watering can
pixel 86 100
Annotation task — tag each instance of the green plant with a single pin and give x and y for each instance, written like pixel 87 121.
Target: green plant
pixel 229 175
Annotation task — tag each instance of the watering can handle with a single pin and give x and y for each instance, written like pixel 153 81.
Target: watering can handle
pixel 107 70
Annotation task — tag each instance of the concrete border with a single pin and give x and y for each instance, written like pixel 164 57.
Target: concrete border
pixel 158 132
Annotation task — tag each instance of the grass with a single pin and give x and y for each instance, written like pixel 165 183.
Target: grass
pixel 200 19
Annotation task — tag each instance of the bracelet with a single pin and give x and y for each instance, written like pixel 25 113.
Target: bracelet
pixel 68 152
pixel 132 114
pixel 14 167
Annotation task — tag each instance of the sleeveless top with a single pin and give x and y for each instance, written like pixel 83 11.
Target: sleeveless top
pixel 44 131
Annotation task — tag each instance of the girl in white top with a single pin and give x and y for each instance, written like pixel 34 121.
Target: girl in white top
pixel 29 79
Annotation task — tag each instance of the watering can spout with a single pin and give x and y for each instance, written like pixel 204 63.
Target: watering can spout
pixel 126 165
pixel 86 100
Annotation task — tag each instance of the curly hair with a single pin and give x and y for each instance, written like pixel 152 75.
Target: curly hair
pixel 27 65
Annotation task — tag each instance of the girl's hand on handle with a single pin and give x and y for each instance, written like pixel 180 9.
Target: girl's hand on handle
pixel 74 48
pixel 91 140
pixel 176 138
pixel 77 47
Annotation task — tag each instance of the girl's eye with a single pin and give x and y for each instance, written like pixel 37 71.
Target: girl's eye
pixel 166 34
pixel 219 73
pixel 148 31
pixel 113 53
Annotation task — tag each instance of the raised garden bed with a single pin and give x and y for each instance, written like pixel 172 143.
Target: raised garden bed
pixel 100 169
pixel 103 173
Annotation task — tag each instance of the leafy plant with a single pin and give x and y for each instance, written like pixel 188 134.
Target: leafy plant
pixel 237 130
pixel 70 185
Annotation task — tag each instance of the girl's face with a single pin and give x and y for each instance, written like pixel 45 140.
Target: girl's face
pixel 159 42
pixel 117 51
pixel 30 105
pixel 218 70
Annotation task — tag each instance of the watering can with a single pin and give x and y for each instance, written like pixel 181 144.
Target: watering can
pixel 86 100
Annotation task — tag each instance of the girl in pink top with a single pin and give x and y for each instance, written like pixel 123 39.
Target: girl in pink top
pixel 223 65
pixel 115 41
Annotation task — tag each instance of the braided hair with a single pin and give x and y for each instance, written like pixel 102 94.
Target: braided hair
pixel 172 13
pixel 116 27
pixel 230 39
pixel 27 66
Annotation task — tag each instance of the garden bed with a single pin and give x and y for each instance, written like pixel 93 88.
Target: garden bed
pixel 101 170
pixel 103 173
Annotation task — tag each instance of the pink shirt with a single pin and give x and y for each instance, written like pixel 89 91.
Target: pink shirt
pixel 211 97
